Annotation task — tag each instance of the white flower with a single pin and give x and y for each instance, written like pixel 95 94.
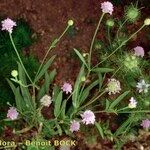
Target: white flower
pixel 113 86
pixel 133 103
pixel 46 100
pixel 142 86
pixel 88 117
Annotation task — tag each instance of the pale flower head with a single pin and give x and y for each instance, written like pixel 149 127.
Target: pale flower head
pixel 88 117
pixel 145 123
pixel 133 103
pixel 67 88
pixel 46 100
pixel 142 86
pixel 12 113
pixel 8 25
pixel 139 51
pixel 113 86
pixel 147 22
pixel 70 22
pixel 75 126
pixel 107 7
pixel 14 73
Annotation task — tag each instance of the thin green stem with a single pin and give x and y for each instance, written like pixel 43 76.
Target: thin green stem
pixel 120 46
pixel 116 71
pixel 23 130
pixel 108 32
pixel 19 58
pixel 102 111
pixel 138 111
pixel 33 96
pixel 93 39
pixel 93 100
pixel 120 28
pixel 51 47
pixel 85 82
pixel 122 109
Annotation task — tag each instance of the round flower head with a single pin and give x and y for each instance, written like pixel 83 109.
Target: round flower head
pixel 88 117
pixel 107 7
pixel 132 13
pixel 14 73
pixel 70 23
pixel 12 113
pixel 142 86
pixel 46 100
pixel 131 62
pixel 145 124
pixel 67 88
pixel 110 22
pixel 132 103
pixel 139 51
pixel 84 54
pixel 147 22
pixel 8 25
pixel 83 79
pixel 75 126
pixel 113 86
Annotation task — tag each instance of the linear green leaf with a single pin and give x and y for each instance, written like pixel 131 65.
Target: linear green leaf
pixel 117 101
pixel 81 57
pixel 85 93
pixel 77 88
pixel 102 70
pixel 45 68
pixel 99 129
pixel 57 107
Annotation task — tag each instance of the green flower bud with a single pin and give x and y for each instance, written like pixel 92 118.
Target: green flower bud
pixel 132 13
pixel 147 22
pixel 110 22
pixel 85 54
pixel 83 78
pixel 70 22
pixel 131 62
pixel 14 73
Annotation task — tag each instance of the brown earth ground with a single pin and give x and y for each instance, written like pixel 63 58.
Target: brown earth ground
pixel 49 18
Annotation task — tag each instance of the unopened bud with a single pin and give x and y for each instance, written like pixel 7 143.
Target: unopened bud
pixel 70 22
pixel 14 73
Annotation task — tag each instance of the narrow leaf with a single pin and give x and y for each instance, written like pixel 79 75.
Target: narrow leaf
pixel 57 106
pixel 77 88
pixel 85 93
pixel 45 68
pixel 107 104
pixel 117 101
pixel 99 129
pixel 102 70
pixel 81 57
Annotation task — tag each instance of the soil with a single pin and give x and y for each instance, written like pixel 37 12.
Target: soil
pixel 48 18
